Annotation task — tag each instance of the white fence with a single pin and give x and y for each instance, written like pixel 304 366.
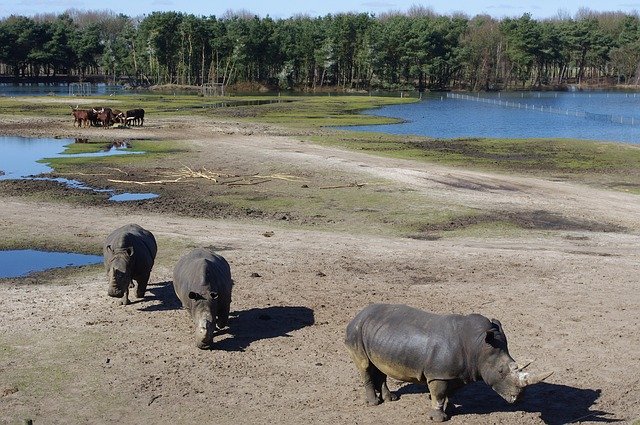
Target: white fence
pixel 618 119
pixel 79 89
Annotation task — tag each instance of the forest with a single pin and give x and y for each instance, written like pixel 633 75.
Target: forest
pixel 413 50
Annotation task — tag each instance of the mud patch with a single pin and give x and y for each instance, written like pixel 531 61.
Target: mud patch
pixel 529 220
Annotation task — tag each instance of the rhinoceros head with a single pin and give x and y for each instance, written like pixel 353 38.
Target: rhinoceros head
pixel 499 370
pixel 119 271
pixel 204 309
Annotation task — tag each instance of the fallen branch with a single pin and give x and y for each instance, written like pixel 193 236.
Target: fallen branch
pixel 246 183
pixel 278 176
pixel 145 183
pixel 225 179
pixel 117 169
pixel 341 186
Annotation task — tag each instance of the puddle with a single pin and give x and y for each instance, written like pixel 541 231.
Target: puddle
pixel 19 263
pixel 20 156
pixel 123 197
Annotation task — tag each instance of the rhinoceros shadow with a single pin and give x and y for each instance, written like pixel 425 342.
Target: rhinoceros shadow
pixel 162 292
pixel 248 326
pixel 556 404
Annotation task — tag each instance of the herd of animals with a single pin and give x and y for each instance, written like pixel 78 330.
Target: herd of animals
pixel 445 352
pixel 106 117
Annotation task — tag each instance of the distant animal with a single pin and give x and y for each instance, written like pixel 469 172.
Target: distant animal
pixel 202 281
pixel 118 116
pixel 129 253
pixel 104 116
pixel 134 117
pixel 81 117
pixel 445 352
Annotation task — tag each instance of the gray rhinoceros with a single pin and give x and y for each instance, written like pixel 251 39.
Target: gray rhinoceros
pixel 443 351
pixel 202 281
pixel 129 253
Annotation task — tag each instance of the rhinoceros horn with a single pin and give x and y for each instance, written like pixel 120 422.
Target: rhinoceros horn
pixel 523 366
pixel 525 379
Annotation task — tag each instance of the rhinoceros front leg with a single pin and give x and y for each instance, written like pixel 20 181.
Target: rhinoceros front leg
pixel 223 314
pixel 142 286
pixel 387 395
pixel 438 393
pixel 125 297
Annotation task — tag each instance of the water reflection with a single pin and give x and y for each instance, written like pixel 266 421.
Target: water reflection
pixel 18 263
pixel 61 89
pixel 22 158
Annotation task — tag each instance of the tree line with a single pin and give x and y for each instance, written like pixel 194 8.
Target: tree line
pixel 417 49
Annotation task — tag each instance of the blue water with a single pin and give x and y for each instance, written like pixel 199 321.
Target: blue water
pixel 16 90
pixel 440 117
pixel 17 263
pixel 123 197
pixel 20 156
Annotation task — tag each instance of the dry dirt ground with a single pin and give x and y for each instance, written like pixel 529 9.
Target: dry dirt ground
pixel 568 299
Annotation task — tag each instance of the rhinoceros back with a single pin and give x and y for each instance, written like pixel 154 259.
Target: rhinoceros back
pixel 414 345
pixel 143 243
pixel 202 271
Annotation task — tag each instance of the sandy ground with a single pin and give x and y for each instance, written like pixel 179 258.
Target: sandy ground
pixel 568 299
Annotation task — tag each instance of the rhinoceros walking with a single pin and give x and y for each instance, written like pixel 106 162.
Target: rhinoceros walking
pixel 129 253
pixel 444 352
pixel 202 281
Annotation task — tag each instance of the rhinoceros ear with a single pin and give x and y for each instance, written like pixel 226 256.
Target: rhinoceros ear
pixel 195 296
pixel 497 323
pixel 490 336
pixel 109 249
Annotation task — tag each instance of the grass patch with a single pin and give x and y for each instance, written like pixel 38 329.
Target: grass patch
pixel 153 150
pixel 314 112
pixel 614 165
pixel 374 208
pixel 294 111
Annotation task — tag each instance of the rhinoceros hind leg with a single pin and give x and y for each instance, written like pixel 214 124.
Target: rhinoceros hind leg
pixel 438 415
pixel 438 393
pixel 370 379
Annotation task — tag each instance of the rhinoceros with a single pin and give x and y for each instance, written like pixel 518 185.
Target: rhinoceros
pixel 443 351
pixel 129 253
pixel 202 281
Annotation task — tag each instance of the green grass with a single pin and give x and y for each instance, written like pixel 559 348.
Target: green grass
pixel 152 150
pixel 615 165
pixel 313 112
pixel 295 111
pixel 376 207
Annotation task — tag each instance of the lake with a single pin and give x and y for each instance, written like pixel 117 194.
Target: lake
pixel 23 89
pixel 605 116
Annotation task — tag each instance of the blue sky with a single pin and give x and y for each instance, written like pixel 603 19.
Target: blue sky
pixel 286 8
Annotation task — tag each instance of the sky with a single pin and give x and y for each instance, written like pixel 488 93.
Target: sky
pixel 279 9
